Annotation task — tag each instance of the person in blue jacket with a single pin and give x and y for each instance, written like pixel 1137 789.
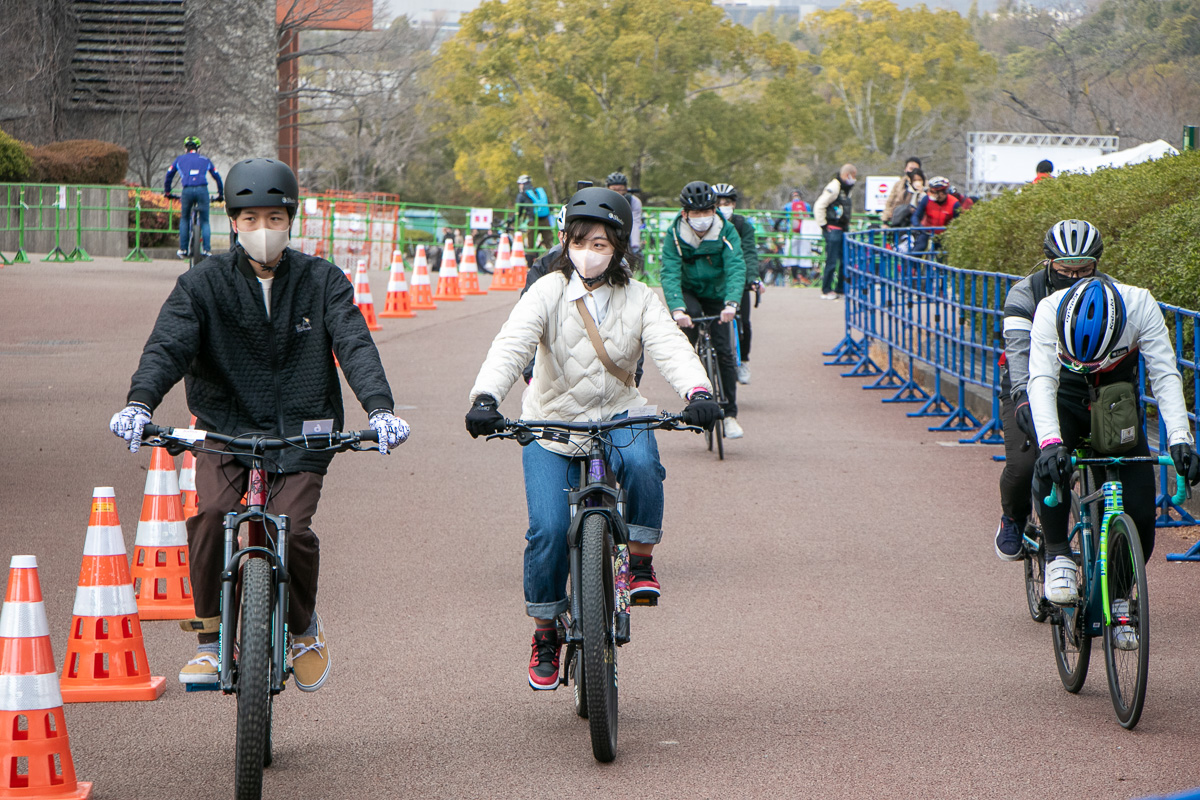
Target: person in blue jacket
pixel 193 170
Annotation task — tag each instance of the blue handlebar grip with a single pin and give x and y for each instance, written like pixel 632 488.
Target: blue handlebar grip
pixel 1181 489
pixel 1052 499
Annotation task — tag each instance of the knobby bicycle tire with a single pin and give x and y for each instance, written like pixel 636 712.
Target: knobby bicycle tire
pixel 254 680
pixel 1127 670
pixel 599 649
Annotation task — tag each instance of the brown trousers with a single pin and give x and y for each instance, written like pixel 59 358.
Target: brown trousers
pixel 220 484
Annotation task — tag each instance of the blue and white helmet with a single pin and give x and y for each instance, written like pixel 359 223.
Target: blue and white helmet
pixel 1091 319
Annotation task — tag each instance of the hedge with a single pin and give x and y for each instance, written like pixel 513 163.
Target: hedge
pixel 15 163
pixel 1147 213
pixel 80 161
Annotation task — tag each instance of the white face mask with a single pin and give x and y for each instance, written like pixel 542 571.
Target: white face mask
pixel 264 245
pixel 726 211
pixel 589 263
pixel 701 224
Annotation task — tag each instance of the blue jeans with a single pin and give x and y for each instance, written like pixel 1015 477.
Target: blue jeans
pixel 194 196
pixel 833 262
pixel 547 477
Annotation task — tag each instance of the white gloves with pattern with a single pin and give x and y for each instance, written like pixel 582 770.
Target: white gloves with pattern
pixel 129 422
pixel 391 429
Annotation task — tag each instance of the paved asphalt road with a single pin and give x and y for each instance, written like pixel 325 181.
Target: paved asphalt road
pixel 835 622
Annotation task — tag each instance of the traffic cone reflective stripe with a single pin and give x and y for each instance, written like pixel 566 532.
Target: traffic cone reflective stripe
pixel 35 751
pixel 161 575
pixel 502 273
pixel 468 276
pixel 363 298
pixel 398 303
pixel 422 297
pixel 520 267
pixel 448 275
pixel 106 656
pixel 187 481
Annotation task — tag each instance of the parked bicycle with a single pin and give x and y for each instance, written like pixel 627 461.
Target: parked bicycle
pixel 596 622
pixel 1113 598
pixel 256 670
pixel 708 357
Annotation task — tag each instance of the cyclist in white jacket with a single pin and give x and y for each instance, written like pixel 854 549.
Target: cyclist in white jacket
pixel 572 384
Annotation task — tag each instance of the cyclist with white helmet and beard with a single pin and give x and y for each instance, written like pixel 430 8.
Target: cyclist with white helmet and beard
pixel 727 197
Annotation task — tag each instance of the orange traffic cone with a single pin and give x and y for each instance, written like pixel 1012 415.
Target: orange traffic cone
pixel 106 657
pixel 397 304
pixel 35 751
pixel 520 267
pixel 502 273
pixel 469 274
pixel 422 298
pixel 161 580
pixel 187 481
pixel 447 288
pixel 363 298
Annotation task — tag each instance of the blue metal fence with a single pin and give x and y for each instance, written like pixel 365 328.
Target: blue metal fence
pixel 914 311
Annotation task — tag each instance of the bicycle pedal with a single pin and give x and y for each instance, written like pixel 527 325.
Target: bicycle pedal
pixel 202 687
pixel 644 600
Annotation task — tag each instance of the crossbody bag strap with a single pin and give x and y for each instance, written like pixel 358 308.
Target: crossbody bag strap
pixel 624 376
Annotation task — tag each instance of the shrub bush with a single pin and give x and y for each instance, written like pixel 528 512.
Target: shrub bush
pixel 160 220
pixel 1162 254
pixel 80 161
pixel 15 163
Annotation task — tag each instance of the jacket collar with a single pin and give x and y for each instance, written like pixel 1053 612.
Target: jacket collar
pixel 689 235
pixel 244 266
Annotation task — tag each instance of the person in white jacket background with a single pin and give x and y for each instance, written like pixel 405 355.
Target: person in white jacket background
pixel 1097 328
pixel 571 384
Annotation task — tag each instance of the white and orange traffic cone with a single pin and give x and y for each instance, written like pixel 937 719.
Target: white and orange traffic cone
pixel 468 275
pixel 520 267
pixel 502 273
pixel 35 751
pixel 161 579
pixel 422 292
pixel 106 655
pixel 187 481
pixel 363 297
pixel 447 288
pixel 398 304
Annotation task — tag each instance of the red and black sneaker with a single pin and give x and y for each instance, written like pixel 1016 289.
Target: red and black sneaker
pixel 643 586
pixel 543 664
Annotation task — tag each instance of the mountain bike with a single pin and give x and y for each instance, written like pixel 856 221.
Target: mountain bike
pixel 596 622
pixel 712 365
pixel 256 671
pixel 1113 599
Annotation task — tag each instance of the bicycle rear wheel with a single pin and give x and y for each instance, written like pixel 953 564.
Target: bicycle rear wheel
pixel 197 242
pixel 254 681
pixel 1035 574
pixel 599 651
pixel 1127 639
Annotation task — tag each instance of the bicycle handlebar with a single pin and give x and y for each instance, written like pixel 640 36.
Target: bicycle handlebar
pixel 189 439
pixel 554 430
pixel 1181 485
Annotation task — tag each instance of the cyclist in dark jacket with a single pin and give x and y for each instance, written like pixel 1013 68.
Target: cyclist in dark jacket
pixel 253 334
pixel 727 197
pixel 193 170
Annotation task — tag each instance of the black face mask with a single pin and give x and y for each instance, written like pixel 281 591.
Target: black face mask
pixel 1059 281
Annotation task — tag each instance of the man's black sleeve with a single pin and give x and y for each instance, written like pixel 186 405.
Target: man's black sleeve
pixel 353 345
pixel 170 350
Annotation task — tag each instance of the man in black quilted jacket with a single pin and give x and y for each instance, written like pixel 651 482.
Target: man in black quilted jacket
pixel 253 333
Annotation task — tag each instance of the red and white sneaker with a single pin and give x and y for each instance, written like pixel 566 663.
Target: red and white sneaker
pixel 643 585
pixel 543 664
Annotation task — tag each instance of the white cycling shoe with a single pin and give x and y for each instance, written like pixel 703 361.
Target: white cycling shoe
pixel 732 429
pixel 1062 581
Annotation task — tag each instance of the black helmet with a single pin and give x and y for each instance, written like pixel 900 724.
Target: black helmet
pixel 191 143
pixel 616 179
pixel 725 190
pixel 1073 238
pixel 603 205
pixel 261 182
pixel 697 196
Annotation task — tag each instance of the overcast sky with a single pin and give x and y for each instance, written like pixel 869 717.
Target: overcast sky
pixel 417 7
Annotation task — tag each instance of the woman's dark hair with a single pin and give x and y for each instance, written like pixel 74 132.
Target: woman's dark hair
pixel 913 160
pixel 620 269
pixel 918 172
pixel 1045 166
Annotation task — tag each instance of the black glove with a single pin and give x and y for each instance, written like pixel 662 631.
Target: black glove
pixel 1187 463
pixel 1024 416
pixel 1053 465
pixel 483 418
pixel 702 410
pixel 220 199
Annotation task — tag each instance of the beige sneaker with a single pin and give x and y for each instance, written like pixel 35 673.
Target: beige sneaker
pixel 310 659
pixel 201 669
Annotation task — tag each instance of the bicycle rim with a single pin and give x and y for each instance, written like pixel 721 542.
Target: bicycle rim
pixel 1035 577
pixel 253 681
pixel 599 642
pixel 1072 643
pixel 1126 577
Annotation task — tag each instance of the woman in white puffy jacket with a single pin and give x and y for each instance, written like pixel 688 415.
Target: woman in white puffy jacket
pixel 571 383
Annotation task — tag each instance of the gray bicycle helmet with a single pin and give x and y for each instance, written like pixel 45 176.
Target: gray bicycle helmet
pixel 603 205
pixel 725 190
pixel 616 179
pixel 1073 238
pixel 697 196
pixel 258 182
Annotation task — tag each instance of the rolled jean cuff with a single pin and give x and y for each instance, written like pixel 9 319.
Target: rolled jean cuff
pixel 546 610
pixel 643 535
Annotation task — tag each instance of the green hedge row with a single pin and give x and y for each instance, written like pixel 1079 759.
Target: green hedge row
pixel 77 161
pixel 1148 214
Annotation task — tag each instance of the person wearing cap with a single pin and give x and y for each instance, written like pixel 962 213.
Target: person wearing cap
pixel 253 333
pixel 934 211
pixel 619 183
pixel 572 383
pixel 193 170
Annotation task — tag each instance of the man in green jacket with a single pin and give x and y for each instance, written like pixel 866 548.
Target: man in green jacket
pixel 704 274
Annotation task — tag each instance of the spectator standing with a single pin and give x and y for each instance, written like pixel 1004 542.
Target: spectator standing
pixel 794 212
pixel 901 193
pixel 902 214
pixel 619 183
pixel 832 212
pixel 1045 168
pixel 532 204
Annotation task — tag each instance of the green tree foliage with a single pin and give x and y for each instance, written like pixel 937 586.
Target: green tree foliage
pixel 898 78
pixel 667 90
pixel 15 162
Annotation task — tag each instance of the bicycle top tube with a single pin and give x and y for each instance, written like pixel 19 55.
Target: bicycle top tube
pixel 254 442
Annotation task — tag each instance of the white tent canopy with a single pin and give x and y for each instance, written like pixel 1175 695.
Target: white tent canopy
pixel 1134 155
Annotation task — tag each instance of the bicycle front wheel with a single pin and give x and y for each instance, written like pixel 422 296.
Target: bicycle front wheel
pixel 599 651
pixel 254 681
pixel 717 432
pixel 1127 638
